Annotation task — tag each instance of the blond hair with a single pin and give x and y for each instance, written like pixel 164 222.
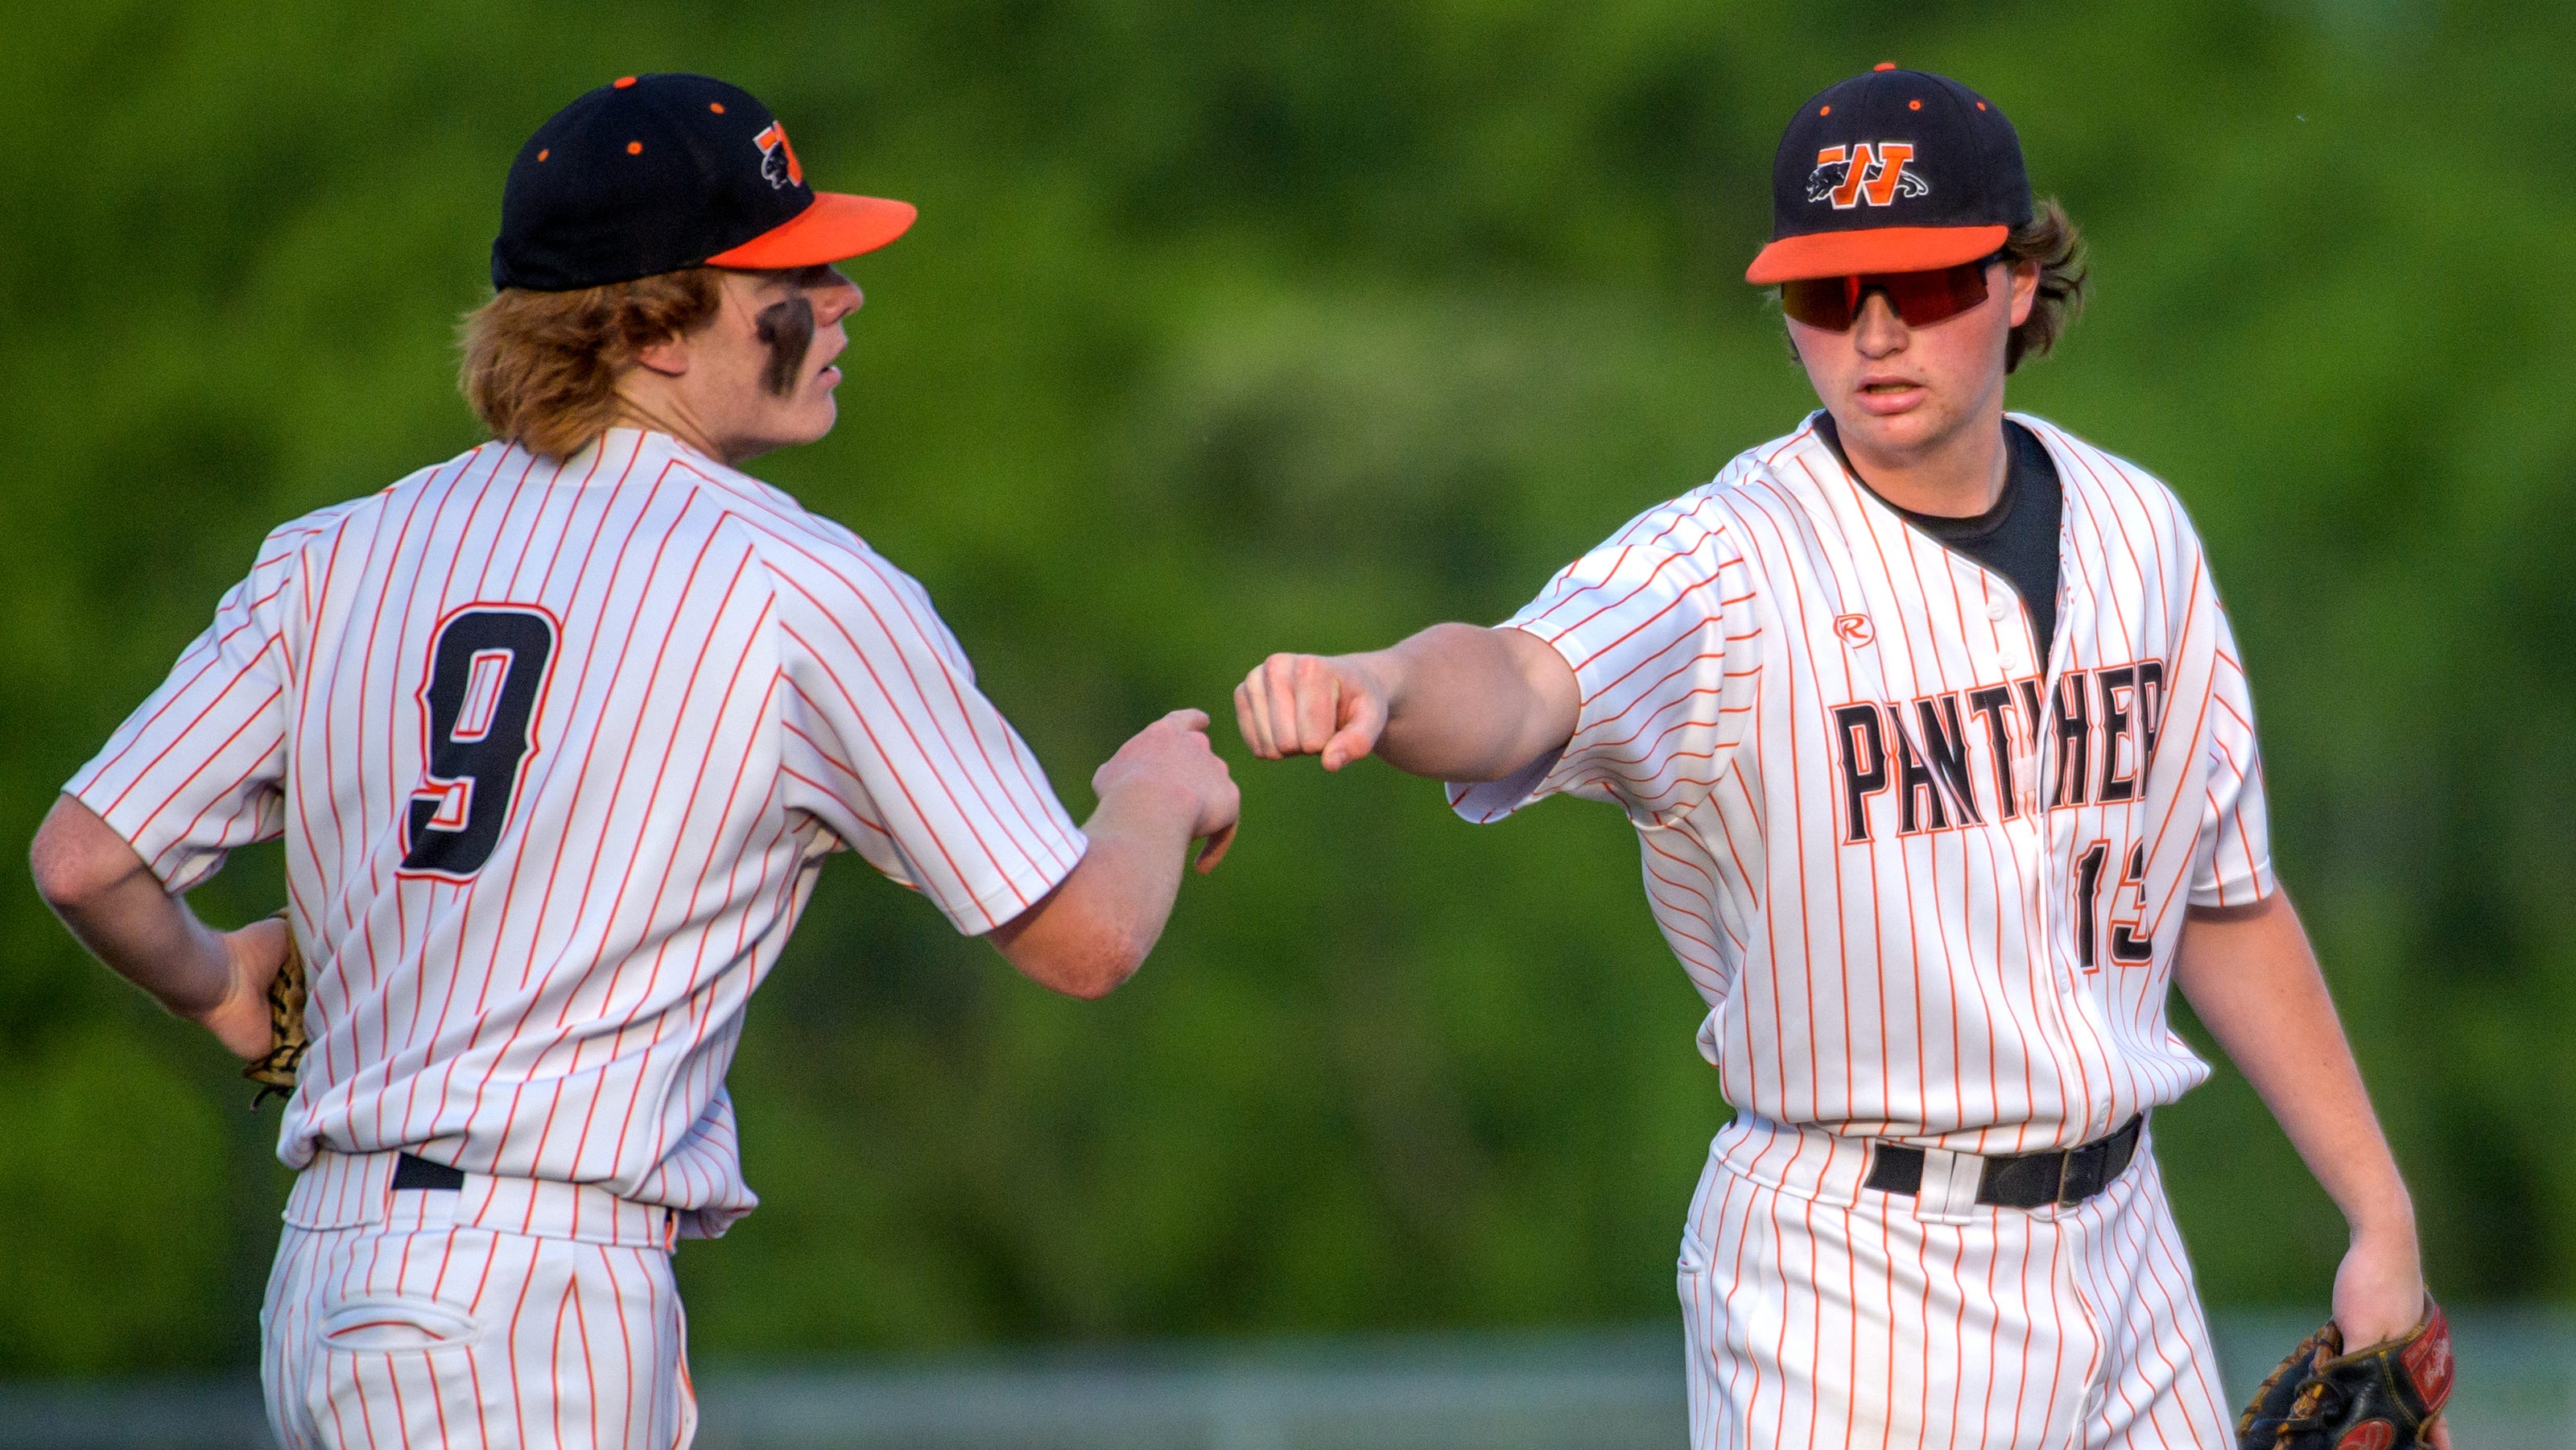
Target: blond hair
pixel 541 368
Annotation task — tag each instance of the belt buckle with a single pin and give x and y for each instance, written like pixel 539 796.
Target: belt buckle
pixel 2079 1173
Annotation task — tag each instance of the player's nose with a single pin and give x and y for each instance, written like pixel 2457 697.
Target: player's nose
pixel 833 303
pixel 1878 331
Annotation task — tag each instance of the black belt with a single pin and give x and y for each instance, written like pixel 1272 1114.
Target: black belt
pixel 410 1172
pixel 2024 1180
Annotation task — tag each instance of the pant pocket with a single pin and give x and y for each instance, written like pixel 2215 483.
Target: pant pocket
pixel 1695 1253
pixel 380 1324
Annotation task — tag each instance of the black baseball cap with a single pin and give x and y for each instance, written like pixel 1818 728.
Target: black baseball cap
pixel 651 174
pixel 1892 171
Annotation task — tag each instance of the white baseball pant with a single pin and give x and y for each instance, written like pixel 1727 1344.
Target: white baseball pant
pixel 501 1315
pixel 1820 1313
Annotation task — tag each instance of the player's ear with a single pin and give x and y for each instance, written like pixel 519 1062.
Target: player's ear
pixel 669 357
pixel 2025 290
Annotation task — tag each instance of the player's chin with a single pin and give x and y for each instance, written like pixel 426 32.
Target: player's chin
pixel 1895 421
pixel 814 412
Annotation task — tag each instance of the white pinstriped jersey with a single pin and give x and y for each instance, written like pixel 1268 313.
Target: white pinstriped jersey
pixel 557 751
pixel 1929 886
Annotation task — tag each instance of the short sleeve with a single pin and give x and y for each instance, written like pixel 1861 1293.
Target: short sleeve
pixel 1654 624
pixel 890 745
pixel 198 769
pixel 2232 860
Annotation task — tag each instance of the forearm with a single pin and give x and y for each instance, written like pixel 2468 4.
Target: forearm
pixel 1467 703
pixel 1098 925
pixel 2251 976
pixel 1131 875
pixel 117 908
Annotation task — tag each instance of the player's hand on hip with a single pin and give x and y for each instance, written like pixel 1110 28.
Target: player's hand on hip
pixel 253 955
pixel 1311 705
pixel 1173 755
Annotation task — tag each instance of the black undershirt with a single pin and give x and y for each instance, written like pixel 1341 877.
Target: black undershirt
pixel 2017 538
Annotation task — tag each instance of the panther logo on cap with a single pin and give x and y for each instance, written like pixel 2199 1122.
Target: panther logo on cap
pixel 1870 171
pixel 777 158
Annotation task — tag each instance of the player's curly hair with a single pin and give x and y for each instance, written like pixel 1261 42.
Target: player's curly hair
pixel 540 368
pixel 2050 239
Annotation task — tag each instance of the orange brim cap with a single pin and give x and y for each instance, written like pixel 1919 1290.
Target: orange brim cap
pixel 1875 249
pixel 836 227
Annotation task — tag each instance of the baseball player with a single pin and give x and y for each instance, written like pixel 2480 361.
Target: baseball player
pixel 558 733
pixel 1943 767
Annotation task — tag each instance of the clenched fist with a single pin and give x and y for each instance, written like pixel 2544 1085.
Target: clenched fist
pixel 1293 704
pixel 1173 755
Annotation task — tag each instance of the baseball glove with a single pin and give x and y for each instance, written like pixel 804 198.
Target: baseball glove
pixel 274 1070
pixel 2381 1398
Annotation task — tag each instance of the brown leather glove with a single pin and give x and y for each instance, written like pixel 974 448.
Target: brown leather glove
pixel 2384 1397
pixel 274 1070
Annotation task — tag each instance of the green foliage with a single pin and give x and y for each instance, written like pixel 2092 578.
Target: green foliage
pixel 1235 327
pixel 115 1172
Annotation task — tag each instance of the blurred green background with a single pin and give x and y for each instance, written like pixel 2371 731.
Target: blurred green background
pixel 1230 327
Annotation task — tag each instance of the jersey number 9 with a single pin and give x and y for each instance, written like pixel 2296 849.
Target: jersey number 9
pixel 487 671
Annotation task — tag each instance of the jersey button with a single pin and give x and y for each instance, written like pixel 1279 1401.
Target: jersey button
pixel 1997 610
